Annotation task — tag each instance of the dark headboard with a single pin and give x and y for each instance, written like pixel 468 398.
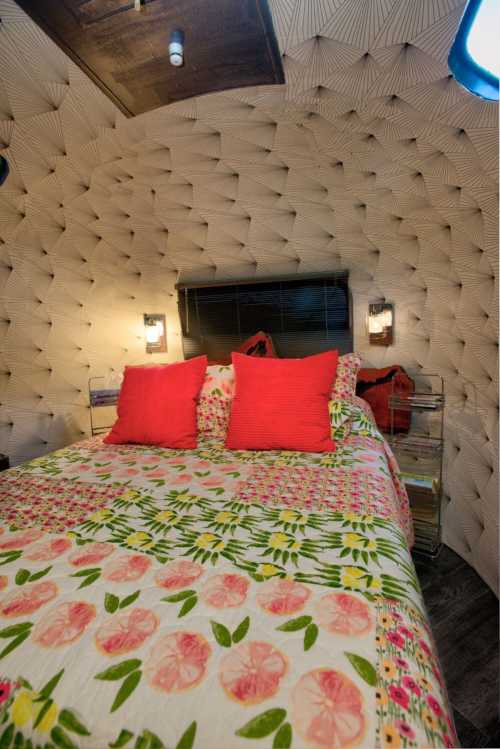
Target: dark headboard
pixel 303 315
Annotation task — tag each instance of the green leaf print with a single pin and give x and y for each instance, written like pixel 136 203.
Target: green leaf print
pixel 153 740
pixel 119 670
pixel 68 720
pixel 281 547
pixel 38 575
pixel 61 738
pixel 123 739
pixel 283 738
pixel 129 599
pixel 188 604
pixel 88 571
pixel 15 629
pixel 111 602
pixel 363 667
pixel 262 725
pixel 43 712
pixel 176 597
pixel 24 683
pixel 89 580
pixel 310 636
pixel 186 741
pixel 13 644
pixel 7 736
pixel 357 578
pixel 49 687
pixel 142 741
pixel 10 556
pixel 241 630
pixel 126 689
pixel 293 625
pixel 221 634
pixel 22 576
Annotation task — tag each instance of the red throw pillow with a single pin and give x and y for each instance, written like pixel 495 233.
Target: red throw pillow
pixel 157 405
pixel 260 344
pixel 282 404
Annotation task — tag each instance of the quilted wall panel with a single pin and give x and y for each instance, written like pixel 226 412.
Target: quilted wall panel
pixel 370 158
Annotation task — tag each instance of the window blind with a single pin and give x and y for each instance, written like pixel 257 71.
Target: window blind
pixel 304 316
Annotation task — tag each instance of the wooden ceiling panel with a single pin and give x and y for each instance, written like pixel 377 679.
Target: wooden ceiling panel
pixel 89 11
pixel 228 45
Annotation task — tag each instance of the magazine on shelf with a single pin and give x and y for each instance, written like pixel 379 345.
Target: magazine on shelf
pixel 420 481
pixel 104 397
pixel 422 400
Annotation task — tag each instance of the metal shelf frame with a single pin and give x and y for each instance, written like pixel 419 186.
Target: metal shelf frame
pixel 428 448
pixel 98 400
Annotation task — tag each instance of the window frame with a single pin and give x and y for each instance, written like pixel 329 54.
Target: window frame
pixel 220 330
pixel 464 68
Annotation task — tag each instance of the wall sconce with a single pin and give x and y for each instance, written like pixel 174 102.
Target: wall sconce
pixel 156 336
pixel 380 324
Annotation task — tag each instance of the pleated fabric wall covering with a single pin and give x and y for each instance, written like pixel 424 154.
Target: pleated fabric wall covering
pixel 371 158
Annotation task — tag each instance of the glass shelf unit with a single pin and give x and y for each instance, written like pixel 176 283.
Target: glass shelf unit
pixel 419 453
pixel 104 399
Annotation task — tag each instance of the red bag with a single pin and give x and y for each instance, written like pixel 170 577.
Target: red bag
pixel 260 344
pixel 375 387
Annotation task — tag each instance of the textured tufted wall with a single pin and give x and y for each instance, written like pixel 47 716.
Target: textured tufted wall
pixel 371 158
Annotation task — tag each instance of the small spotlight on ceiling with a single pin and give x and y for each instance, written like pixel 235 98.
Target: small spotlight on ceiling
pixel 176 48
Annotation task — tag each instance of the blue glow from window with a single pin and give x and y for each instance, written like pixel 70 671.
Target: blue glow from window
pixel 474 58
pixel 482 39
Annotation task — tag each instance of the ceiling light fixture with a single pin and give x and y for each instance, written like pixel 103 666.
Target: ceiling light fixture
pixel 176 48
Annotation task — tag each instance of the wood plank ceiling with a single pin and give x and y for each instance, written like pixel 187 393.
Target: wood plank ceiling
pixel 228 44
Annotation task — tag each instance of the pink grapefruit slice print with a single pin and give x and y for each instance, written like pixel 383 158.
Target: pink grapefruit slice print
pixel 278 596
pixel 20 539
pixel 46 551
pixel 91 554
pixel 126 631
pixel 225 591
pixel 327 710
pixel 251 672
pixel 63 624
pixel 4 581
pixel 344 614
pixel 126 568
pixel 29 598
pixel 178 574
pixel 178 662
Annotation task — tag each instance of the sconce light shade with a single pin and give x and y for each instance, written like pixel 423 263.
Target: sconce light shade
pixel 380 324
pixel 153 332
pixel 156 338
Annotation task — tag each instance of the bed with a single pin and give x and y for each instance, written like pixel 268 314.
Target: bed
pixel 211 599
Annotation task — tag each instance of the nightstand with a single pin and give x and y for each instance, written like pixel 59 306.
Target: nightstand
pixel 419 453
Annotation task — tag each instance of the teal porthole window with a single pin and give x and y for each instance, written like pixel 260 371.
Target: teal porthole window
pixel 474 58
